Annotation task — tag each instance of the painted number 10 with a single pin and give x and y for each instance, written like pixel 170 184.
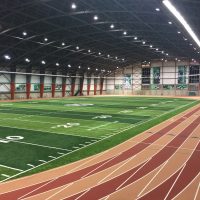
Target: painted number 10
pixel 11 139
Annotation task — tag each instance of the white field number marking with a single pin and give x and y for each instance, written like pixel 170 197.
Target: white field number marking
pixel 11 139
pixel 126 111
pixel 67 125
pixel 102 117
pixel 142 107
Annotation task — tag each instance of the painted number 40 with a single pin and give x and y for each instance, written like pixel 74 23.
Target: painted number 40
pixel 11 139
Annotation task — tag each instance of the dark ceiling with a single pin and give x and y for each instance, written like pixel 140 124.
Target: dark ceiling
pixel 77 29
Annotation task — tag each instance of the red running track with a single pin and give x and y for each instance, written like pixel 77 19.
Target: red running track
pixel 48 185
pixel 133 175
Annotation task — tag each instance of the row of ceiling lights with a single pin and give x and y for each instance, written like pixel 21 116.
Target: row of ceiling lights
pixel 7 57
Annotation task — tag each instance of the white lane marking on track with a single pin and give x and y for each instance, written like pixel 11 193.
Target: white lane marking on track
pixel 11 168
pixel 175 181
pixel 178 168
pixel 133 174
pixel 195 198
pixel 64 174
pixel 152 179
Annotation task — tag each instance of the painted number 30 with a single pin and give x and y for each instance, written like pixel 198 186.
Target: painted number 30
pixel 11 139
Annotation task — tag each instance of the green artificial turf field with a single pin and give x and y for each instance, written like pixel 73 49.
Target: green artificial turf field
pixel 39 135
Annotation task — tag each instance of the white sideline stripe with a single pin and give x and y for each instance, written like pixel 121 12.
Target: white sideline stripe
pixel 195 198
pixel 11 168
pixel 39 145
pixel 30 165
pixel 42 161
pixel 5 175
pixel 105 138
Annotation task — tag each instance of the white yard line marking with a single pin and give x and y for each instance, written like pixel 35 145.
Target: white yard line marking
pixel 31 165
pixel 5 175
pixel 11 168
pixel 60 153
pixel 42 161
pixel 39 145
pixel 97 127
pixel 52 157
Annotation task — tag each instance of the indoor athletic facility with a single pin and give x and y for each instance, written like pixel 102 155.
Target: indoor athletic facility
pixel 99 100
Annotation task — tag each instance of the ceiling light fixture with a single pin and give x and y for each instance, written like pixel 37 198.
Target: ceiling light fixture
pixel 77 48
pixel 112 26
pixel 170 23
pixel 63 44
pixel 157 9
pixel 125 33
pixel 43 62
pixel 7 57
pixel 89 51
pixel 57 64
pixel 135 38
pixel 73 6
pixel 95 17
pixel 45 39
pixel 24 33
pixel 69 66
pixel 181 19
pixel 27 60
